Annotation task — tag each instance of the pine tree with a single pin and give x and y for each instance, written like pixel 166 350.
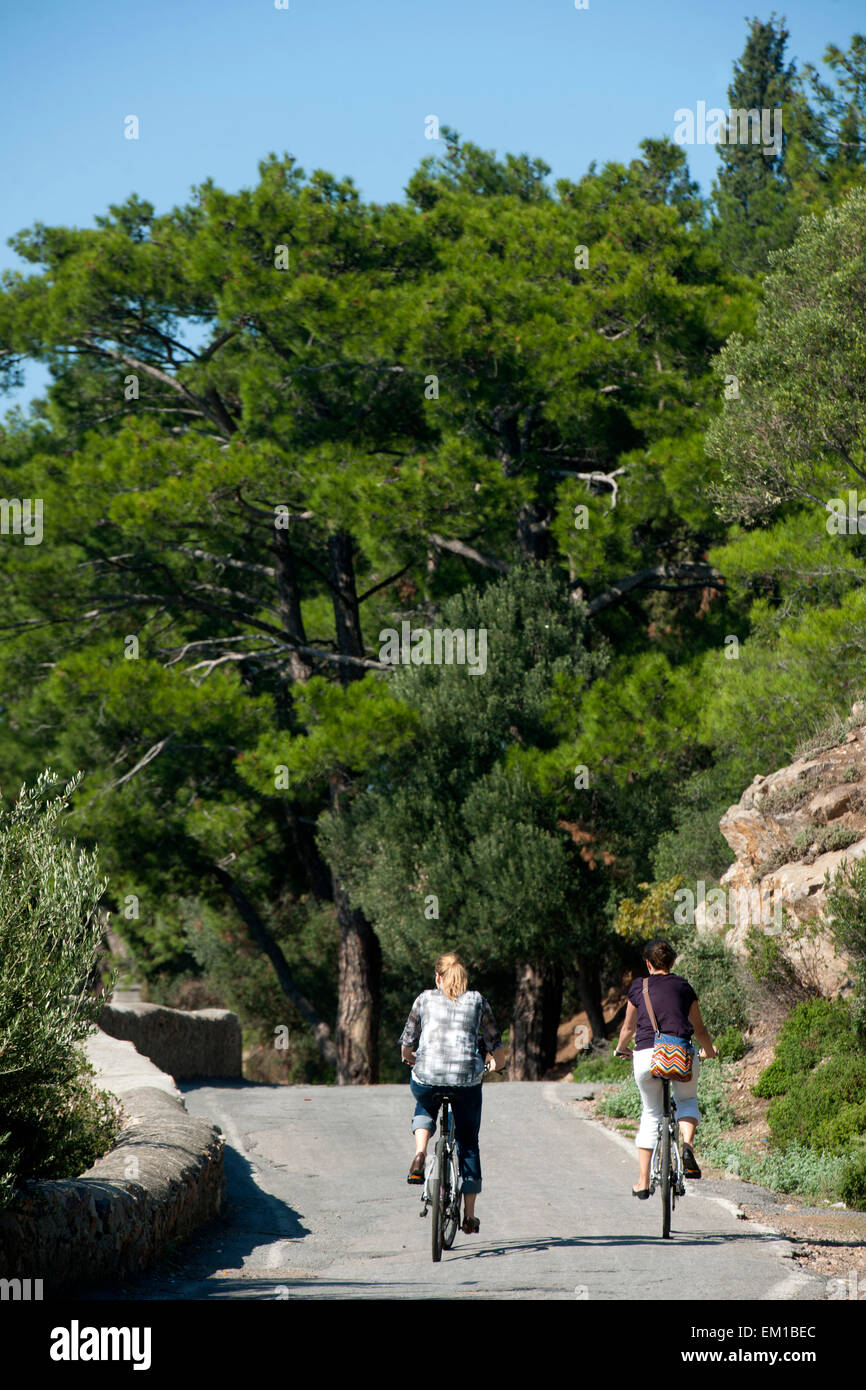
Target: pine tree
pixel 753 215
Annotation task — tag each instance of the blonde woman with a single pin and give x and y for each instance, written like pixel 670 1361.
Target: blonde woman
pixel 440 1041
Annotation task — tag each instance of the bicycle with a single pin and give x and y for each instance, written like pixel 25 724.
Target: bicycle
pixel 442 1195
pixel 666 1164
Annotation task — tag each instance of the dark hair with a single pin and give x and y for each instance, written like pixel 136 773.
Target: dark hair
pixel 660 953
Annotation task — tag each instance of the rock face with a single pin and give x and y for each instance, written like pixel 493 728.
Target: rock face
pixel 788 830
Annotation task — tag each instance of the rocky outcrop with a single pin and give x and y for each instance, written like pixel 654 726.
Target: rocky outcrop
pixel 184 1043
pixel 789 830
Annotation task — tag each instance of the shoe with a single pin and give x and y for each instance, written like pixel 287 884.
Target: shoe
pixel 690 1163
pixel 641 1192
pixel 471 1226
pixel 416 1170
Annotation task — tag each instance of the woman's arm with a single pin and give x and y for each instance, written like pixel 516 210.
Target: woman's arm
pixel 703 1037
pixel 411 1033
pixel 492 1037
pixel 629 1027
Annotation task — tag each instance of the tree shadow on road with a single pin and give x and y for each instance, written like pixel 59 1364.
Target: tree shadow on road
pixel 250 1218
pixel 679 1239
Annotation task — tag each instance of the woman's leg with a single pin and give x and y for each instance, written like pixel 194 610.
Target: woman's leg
pixel 467 1124
pixel 686 1097
pixel 427 1104
pixel 652 1099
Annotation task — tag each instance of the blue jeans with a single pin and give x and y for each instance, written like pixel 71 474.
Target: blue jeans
pixel 466 1105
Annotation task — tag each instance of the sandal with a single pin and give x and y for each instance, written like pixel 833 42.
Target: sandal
pixel 690 1163
pixel 641 1192
pixel 471 1226
pixel 416 1170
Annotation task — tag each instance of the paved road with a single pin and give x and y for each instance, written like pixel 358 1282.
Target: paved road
pixel 319 1208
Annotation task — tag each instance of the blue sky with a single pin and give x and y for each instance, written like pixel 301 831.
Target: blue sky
pixel 345 85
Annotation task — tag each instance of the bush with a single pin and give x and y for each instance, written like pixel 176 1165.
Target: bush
pixel 713 972
pixel 602 1068
pixel 814 1030
pixel 845 917
pixel 54 1122
pixel 772 967
pixel 852 1184
pixel 773 1081
pixel 730 1045
pixel 826 1109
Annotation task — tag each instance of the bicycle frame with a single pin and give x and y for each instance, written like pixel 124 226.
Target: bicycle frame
pixel 442 1190
pixel 666 1164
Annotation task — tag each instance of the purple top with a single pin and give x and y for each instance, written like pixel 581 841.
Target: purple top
pixel 672 997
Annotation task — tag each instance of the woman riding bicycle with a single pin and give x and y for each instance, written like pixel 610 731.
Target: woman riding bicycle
pixel 440 1040
pixel 677 1011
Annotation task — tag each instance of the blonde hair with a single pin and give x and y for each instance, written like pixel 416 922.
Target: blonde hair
pixel 455 981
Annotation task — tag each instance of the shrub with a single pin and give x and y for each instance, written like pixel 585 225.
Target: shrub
pixel 845 917
pixel 730 1045
pixel 814 1030
pixel 826 1109
pixel 713 972
pixel 852 1183
pixel 601 1068
pixel 772 967
pixel 773 1081
pixel 54 1123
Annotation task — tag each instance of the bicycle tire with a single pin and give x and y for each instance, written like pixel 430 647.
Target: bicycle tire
pixel 451 1209
pixel 666 1171
pixel 437 1179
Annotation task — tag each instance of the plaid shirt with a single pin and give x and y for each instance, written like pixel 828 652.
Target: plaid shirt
pixel 447 1053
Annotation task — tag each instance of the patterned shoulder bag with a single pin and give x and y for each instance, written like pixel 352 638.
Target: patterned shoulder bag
pixel 672 1056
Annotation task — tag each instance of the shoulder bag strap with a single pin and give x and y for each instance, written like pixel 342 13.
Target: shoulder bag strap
pixel 649 1006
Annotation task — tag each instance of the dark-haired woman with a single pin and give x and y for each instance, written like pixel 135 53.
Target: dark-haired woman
pixel 440 1041
pixel 677 1011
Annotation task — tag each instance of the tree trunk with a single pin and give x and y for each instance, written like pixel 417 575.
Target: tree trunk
pixel 537 998
pixel 359 983
pixel 533 534
pixel 589 989
pixel 289 594
pixel 265 941
pixel 551 1013
pixel 360 967
pixel 344 597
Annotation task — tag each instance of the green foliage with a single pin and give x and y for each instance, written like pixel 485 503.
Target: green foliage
pixel 714 973
pixel 778 963
pixel 449 837
pixel 730 1044
pixel 826 1109
pixel 852 1183
pixel 602 1068
pixel 845 916
pixel 640 922
pixel 817 1079
pixel 54 1123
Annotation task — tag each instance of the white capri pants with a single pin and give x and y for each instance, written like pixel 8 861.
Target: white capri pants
pixel 650 1087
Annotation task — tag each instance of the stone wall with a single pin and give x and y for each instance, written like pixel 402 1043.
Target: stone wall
pixel 186 1044
pixel 163 1178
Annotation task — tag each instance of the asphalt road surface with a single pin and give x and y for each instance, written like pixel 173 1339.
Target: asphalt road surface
pixel 319 1207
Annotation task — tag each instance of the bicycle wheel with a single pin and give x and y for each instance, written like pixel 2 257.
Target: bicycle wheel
pixel 451 1217
pixel 666 1170
pixel 437 1204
